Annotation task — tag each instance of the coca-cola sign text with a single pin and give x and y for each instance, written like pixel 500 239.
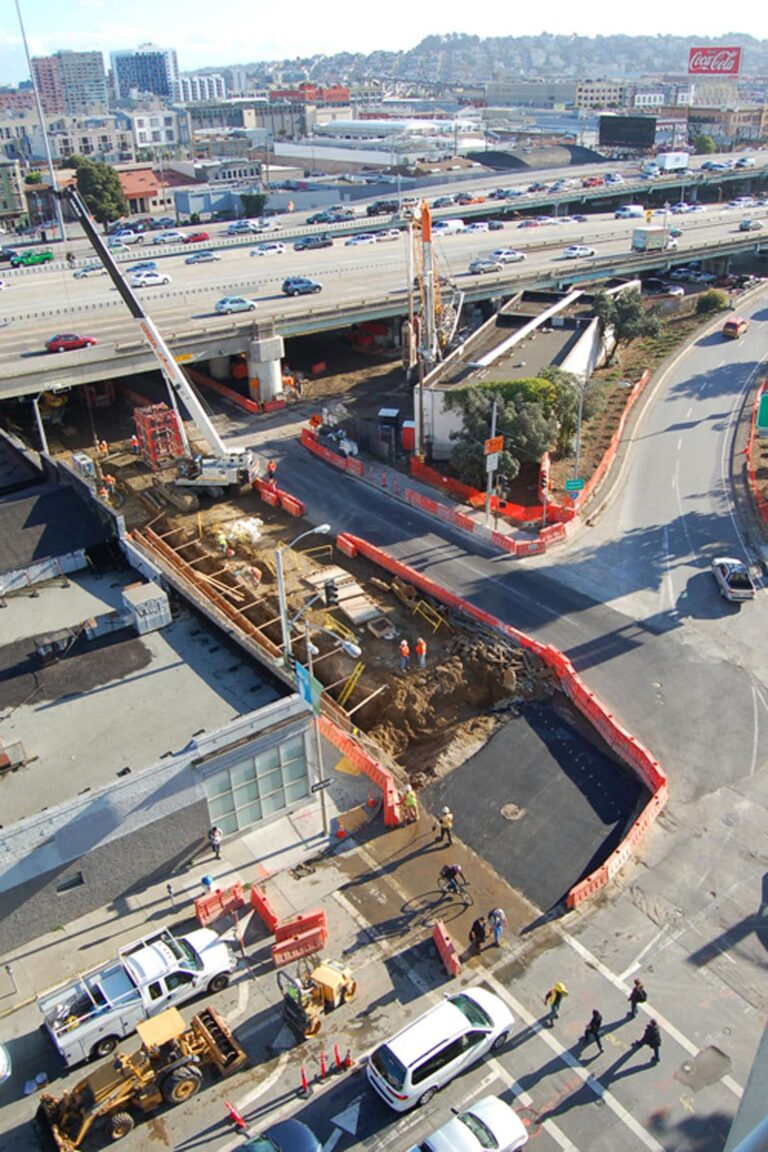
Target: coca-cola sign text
pixel 714 61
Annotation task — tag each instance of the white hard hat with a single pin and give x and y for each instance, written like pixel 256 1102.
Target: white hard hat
pixel 446 809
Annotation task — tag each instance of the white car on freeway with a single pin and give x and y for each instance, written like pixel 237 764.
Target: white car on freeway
pixel 360 238
pixel 507 255
pixel 148 279
pixel 274 248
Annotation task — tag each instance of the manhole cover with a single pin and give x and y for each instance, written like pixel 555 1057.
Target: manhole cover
pixel 512 812
pixel 707 1068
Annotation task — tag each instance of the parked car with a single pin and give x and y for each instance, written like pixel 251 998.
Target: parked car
pixel 484 264
pixel 195 238
pixel 273 248
pixel 733 579
pixel 149 279
pixel 229 304
pixel 490 1123
pixel 301 286
pixel 578 251
pixel 507 255
pixel 307 243
pixel 90 270
pixel 206 257
pixel 68 342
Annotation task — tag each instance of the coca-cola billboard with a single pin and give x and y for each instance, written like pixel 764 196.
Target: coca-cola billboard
pixel 714 61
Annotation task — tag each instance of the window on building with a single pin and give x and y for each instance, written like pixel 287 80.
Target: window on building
pixel 259 786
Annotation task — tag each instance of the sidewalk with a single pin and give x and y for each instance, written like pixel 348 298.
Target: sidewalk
pixel 250 858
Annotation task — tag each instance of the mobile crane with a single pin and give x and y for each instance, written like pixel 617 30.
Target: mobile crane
pixel 228 466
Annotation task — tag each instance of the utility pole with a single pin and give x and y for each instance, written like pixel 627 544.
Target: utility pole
pixel 490 471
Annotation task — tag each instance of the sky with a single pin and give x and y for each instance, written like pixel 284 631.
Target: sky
pixel 264 30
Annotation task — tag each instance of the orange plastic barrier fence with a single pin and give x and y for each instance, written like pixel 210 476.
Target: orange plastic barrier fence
pixel 211 907
pixel 612 448
pixel 383 779
pixel 447 949
pixel 216 386
pixel 760 503
pixel 306 922
pixel 294 947
pixel 262 907
pixel 626 746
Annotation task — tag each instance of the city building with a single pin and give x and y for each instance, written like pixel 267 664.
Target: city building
pixel 73 83
pixel 196 87
pixel 155 130
pixel 601 94
pixel 531 93
pixel 147 68
pixel 13 202
pixel 16 100
pixel 311 94
pixel 105 138
pixel 150 192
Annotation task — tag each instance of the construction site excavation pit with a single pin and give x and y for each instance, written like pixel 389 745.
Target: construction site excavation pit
pixel 483 727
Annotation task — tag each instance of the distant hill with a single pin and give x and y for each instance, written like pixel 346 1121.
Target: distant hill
pixel 456 58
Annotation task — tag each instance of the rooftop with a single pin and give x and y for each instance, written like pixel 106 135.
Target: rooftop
pixel 112 705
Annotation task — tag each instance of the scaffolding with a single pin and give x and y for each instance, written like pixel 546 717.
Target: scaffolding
pixel 157 430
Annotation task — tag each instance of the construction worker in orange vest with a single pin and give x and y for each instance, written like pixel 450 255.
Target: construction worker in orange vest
pixel 135 444
pixel 421 652
pixel 103 447
pixel 405 656
pixel 271 469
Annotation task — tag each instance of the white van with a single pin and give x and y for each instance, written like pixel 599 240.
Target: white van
pixel 629 212
pixel 425 1055
pixel 447 227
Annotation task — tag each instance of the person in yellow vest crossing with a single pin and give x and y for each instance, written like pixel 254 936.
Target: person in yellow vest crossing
pixel 405 656
pixel 445 824
pixel 411 805
pixel 421 652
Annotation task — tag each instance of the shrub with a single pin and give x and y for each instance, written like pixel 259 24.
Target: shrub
pixel 713 300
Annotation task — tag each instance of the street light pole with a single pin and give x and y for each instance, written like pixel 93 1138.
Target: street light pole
pixel 318 734
pixel 282 600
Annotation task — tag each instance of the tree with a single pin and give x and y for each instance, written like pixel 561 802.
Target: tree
pixel 711 301
pixel 33 177
pixel 625 313
pixel 704 145
pixel 253 203
pixel 569 389
pixel 100 187
pixel 527 428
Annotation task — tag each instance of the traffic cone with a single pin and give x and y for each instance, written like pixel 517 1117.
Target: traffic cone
pixel 305 1089
pixel 371 800
pixel 337 1058
pixel 348 1061
pixel 235 1116
pixel 341 832
pixel 323 1067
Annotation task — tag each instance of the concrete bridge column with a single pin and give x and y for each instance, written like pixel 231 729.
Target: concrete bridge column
pixel 265 375
pixel 218 366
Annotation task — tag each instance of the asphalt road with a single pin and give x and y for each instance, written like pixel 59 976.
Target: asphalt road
pixel 39 301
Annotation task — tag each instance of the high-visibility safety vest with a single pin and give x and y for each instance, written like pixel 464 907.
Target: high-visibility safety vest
pixel 404 649
pixel 421 647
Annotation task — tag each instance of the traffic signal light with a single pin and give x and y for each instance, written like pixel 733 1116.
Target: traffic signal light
pixel 331 593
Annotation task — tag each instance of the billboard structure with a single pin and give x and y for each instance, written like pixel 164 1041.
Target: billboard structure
pixel 714 61
pixel 628 131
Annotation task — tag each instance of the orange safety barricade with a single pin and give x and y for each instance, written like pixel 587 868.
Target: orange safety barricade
pixel 262 907
pixel 306 922
pixel 447 949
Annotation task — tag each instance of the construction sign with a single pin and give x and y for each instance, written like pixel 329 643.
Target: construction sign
pixel 493 444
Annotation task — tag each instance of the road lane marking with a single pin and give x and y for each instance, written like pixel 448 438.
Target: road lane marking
pixel 636 962
pixel 687 1045
pixel 526 1099
pixel 589 1081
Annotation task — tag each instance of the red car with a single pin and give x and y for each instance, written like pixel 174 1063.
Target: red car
pixel 196 238
pixel 68 342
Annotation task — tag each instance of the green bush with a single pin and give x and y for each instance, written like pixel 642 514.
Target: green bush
pixel 713 300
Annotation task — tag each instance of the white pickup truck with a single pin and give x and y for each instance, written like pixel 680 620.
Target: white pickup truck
pixel 88 1017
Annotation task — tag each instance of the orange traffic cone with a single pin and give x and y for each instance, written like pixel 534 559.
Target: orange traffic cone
pixel 341 832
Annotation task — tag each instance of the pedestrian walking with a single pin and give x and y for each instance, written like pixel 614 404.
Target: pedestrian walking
pixel 497 918
pixel 421 652
pixel 638 995
pixel 405 656
pixel 215 837
pixel 652 1038
pixel 445 824
pixel 478 934
pixel 411 805
pixel 592 1030
pixel 554 999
